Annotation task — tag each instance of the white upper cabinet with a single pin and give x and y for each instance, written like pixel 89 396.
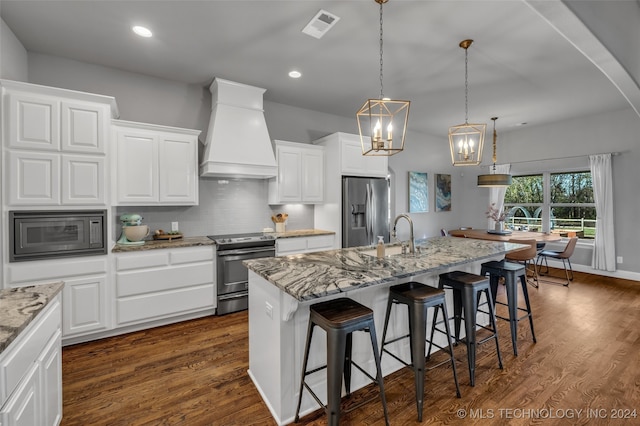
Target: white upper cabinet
pixel 155 165
pixel 300 174
pixel 56 145
pixel 34 122
pixel 347 150
pixel 84 127
pixel 178 163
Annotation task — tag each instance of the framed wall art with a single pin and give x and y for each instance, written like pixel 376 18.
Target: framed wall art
pixel 418 192
pixel 443 193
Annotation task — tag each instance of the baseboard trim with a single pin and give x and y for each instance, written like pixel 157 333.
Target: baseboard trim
pixel 627 275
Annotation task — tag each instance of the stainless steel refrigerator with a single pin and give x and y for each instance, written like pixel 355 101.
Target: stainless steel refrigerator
pixel 365 211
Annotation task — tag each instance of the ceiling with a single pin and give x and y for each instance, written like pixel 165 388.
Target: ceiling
pixel 520 68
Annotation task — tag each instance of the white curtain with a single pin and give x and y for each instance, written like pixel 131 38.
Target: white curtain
pixel 497 194
pixel 604 254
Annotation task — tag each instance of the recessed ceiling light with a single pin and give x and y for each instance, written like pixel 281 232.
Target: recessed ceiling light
pixel 142 31
pixel 295 74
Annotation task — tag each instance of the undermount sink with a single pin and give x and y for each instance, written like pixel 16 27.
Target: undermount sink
pixel 388 251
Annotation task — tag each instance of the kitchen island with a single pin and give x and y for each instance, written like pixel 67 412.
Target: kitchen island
pixel 281 290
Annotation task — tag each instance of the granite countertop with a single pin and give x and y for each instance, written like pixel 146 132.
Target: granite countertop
pixel 314 275
pixel 20 305
pixel 205 241
pixel 163 244
pixel 300 233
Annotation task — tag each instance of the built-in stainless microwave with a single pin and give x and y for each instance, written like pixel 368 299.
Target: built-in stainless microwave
pixel 35 235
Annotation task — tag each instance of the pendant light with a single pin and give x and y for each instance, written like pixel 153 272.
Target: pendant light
pixel 466 140
pixel 494 179
pixel 382 122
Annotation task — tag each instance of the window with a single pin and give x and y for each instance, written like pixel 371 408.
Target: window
pixel 559 202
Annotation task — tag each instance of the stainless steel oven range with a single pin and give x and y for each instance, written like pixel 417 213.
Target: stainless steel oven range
pixel 232 275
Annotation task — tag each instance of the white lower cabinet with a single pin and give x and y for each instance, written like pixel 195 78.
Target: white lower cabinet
pixel 31 373
pixel 160 284
pixel 85 305
pixel 85 294
pixel 297 245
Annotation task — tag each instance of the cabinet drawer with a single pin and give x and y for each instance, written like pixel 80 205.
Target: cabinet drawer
pixel 322 242
pixel 139 261
pixel 157 280
pixel 158 305
pixel 291 245
pixel 186 255
pixel 24 351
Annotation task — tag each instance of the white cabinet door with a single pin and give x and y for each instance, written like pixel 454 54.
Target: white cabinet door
pixel 85 305
pixel 300 174
pixel 84 127
pixel 51 382
pixel 34 122
pixel 289 179
pixel 156 165
pixel 23 408
pixel 83 180
pixel 34 178
pixel 178 169
pixel 354 163
pixel 312 176
pixel 137 167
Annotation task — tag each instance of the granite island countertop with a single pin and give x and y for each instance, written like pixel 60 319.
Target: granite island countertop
pixel 314 275
pixel 20 305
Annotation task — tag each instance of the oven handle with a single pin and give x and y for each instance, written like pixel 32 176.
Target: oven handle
pixel 246 251
pixel 233 296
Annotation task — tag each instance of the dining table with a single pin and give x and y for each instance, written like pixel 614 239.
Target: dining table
pixel 484 234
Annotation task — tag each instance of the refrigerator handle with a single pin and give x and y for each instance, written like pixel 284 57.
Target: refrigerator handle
pixel 372 215
pixel 367 213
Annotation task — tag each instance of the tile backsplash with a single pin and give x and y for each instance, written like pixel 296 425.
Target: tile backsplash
pixel 227 206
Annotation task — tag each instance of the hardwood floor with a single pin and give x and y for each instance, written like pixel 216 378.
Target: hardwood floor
pixel 585 368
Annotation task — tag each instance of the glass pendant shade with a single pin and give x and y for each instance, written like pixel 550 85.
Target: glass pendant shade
pixel 382 124
pixel 466 142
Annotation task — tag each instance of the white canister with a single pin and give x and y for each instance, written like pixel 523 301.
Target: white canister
pixel 280 227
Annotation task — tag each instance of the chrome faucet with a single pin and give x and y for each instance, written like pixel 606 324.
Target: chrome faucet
pixel 412 248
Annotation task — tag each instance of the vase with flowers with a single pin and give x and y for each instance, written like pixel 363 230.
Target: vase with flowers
pixel 498 216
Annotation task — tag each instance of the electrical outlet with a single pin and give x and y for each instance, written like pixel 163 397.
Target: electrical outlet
pixel 269 309
pixel 619 259
pixel 174 226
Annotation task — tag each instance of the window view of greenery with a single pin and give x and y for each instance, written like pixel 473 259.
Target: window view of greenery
pixel 571 208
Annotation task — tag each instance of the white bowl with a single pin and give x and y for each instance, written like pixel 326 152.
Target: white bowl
pixel 136 233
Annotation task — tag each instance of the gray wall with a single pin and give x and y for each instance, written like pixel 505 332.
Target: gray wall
pixel 142 98
pixel 13 55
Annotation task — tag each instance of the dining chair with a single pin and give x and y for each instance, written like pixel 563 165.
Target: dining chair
pixel 526 257
pixel 564 255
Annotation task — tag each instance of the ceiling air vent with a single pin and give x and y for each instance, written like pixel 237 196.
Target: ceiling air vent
pixel 320 24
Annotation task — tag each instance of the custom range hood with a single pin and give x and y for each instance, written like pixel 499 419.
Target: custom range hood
pixel 238 143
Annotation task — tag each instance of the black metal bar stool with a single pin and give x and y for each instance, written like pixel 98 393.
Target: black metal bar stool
pixel 467 289
pixel 340 318
pixel 418 298
pixel 511 272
